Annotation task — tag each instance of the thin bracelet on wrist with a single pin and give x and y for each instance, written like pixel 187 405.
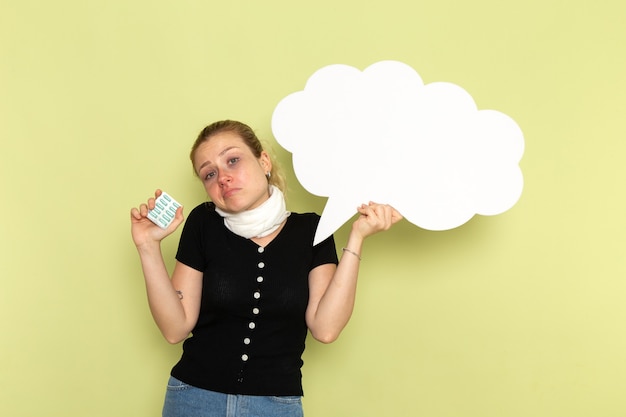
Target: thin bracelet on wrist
pixel 352 252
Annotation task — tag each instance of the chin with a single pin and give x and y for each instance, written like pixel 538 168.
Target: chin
pixel 234 208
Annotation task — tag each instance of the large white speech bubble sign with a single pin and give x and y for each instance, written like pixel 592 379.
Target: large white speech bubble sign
pixel 382 135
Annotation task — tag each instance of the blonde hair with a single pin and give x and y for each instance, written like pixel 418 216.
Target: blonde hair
pixel 251 140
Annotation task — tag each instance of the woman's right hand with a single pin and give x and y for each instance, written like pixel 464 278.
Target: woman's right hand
pixel 143 231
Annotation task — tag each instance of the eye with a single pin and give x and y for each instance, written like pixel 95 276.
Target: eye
pixel 233 161
pixel 209 175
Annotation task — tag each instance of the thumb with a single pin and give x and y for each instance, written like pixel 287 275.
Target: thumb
pixel 179 218
pixel 396 216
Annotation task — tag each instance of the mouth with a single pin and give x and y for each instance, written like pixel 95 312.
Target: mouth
pixel 228 193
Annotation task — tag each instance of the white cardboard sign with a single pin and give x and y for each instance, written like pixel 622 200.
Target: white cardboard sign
pixel 382 135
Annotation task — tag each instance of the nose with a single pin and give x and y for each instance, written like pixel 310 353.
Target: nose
pixel 223 178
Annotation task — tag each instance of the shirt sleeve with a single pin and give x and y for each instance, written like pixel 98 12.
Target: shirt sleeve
pixel 324 252
pixel 191 250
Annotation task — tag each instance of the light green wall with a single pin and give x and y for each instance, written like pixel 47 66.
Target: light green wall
pixel 516 315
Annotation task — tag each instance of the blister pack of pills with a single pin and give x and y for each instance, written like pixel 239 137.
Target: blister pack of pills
pixel 164 210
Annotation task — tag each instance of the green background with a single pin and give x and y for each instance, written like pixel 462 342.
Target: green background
pixel 520 314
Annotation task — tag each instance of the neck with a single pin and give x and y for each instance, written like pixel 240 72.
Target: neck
pixel 261 221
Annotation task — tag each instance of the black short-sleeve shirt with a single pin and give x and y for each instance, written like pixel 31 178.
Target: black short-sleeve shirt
pixel 251 330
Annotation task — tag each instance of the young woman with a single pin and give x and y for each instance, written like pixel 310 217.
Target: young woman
pixel 247 284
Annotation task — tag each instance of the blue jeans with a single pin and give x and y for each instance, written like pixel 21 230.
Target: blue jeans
pixel 183 400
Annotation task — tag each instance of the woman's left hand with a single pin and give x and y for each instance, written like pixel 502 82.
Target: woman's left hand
pixel 375 218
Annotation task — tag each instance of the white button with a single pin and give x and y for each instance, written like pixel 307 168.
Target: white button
pixel 261 249
pixel 251 325
pixel 246 341
pixel 255 310
pixel 244 357
pixel 261 265
pixel 259 279
pixel 257 295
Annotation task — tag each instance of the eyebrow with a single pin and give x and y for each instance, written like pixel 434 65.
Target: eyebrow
pixel 220 154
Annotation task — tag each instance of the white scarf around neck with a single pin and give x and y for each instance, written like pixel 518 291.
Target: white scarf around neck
pixel 260 221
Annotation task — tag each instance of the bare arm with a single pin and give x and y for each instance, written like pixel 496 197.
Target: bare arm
pixel 174 303
pixel 332 289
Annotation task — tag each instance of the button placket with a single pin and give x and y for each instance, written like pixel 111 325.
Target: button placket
pixel 255 312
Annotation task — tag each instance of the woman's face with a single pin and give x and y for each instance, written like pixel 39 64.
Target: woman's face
pixel 232 176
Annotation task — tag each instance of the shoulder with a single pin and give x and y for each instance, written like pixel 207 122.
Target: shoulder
pixel 204 210
pixel 304 227
pixel 301 227
pixel 305 219
pixel 202 216
pixel 306 216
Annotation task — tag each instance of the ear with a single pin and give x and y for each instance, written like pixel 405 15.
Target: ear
pixel 265 161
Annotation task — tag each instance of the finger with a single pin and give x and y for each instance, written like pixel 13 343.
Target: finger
pixel 374 215
pixel 388 216
pixel 134 213
pixel 364 209
pixel 178 219
pixel 383 214
pixel 396 216
pixel 143 210
pixel 378 209
pixel 179 214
